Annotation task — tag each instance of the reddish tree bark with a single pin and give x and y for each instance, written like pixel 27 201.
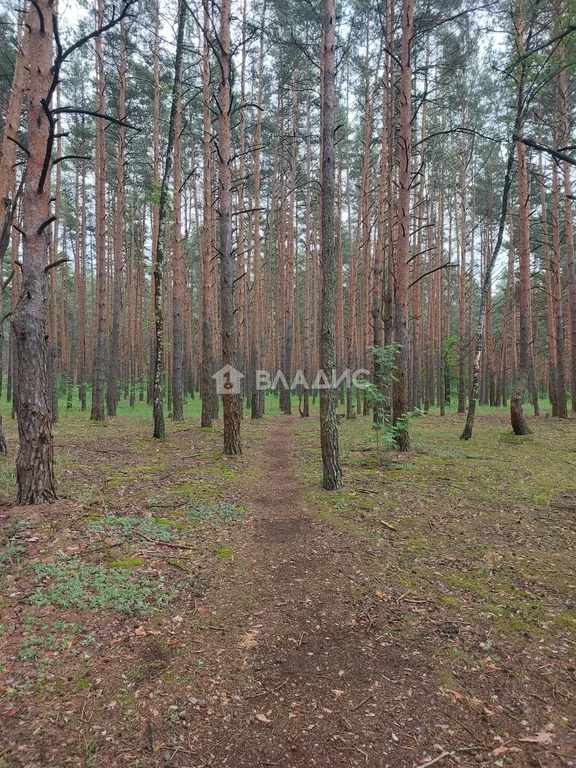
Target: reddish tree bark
pixel 97 412
pixel 35 461
pixel 232 403
pixel 177 269
pixel 401 264
pixel 118 238
pixel 332 472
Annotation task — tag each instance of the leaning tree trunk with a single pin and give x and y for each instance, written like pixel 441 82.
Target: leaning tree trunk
pixel 486 283
pixel 231 403
pixel 332 472
pixel 35 461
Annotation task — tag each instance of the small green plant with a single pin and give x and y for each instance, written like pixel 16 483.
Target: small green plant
pixel 127 562
pixel 224 554
pixel 11 548
pixel 68 583
pixel 215 515
pixel 7 476
pixel 10 552
pixel 30 648
pixel 111 525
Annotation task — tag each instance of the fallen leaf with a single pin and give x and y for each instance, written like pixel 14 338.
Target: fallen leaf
pixel 544 736
pixel 454 695
pixel 249 640
pixel 263 719
pixel 503 750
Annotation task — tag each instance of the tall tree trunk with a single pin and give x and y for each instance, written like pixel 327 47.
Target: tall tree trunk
pixel 177 271
pixel 154 204
pixel 381 240
pixel 462 281
pixel 257 301
pixel 80 279
pixel 12 124
pixel 99 362
pixel 35 461
pixel 549 273
pixel 401 265
pixel 305 409
pixel 557 355
pixel 569 225
pixel 332 472
pixel 525 371
pixel 231 403
pixel 119 224
pixel 354 257
pixel 206 384
pixel 158 391
pixel 8 200
pixel 53 368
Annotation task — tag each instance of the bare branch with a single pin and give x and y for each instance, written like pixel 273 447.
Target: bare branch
pixel 55 264
pixel 18 144
pixel 7 282
pixel 71 157
pixel 76 111
pixel 549 150
pixel 45 224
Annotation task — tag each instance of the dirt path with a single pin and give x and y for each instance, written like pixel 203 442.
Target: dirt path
pixel 319 680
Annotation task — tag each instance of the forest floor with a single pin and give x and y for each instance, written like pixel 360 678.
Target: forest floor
pixel 178 608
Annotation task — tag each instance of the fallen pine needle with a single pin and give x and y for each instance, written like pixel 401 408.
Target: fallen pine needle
pixel 364 700
pixel 267 690
pixel 163 543
pixel 451 753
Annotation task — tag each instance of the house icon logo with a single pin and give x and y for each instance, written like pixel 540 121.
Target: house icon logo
pixel 228 381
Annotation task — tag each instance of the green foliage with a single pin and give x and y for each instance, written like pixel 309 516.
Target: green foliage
pixel 450 361
pixel 377 393
pixel 68 583
pixel 153 193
